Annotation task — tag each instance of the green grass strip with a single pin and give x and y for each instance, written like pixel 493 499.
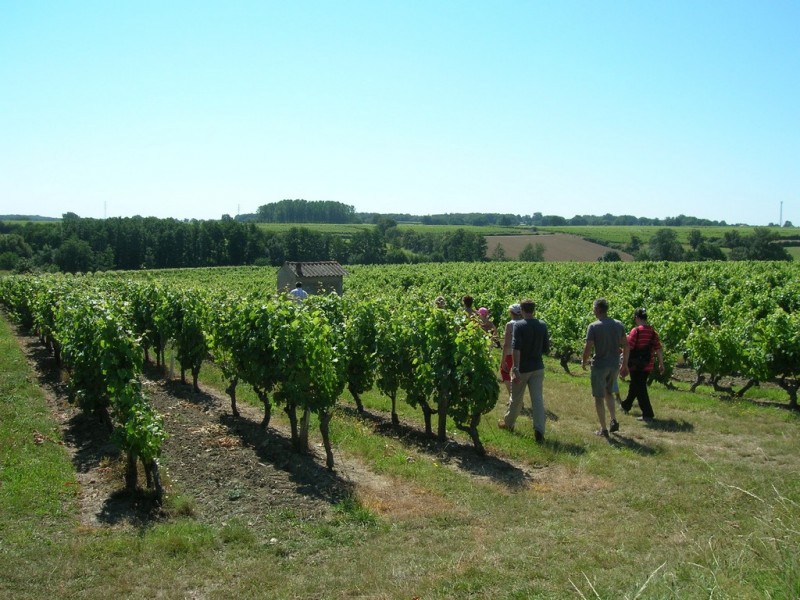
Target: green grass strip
pixel 36 477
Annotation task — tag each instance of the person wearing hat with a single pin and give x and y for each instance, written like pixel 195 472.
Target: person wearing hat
pixel 515 312
pixel 643 342
pixel 530 341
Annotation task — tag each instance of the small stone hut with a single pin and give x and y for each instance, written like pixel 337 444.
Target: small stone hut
pixel 317 277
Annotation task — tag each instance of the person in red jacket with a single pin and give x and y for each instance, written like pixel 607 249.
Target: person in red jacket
pixel 644 346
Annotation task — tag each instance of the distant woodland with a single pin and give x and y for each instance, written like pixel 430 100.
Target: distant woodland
pixel 76 244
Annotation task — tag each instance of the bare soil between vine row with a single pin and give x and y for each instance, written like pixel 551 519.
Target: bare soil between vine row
pixel 234 470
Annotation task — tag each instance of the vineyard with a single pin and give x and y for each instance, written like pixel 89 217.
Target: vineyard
pixel 722 320
pixel 338 363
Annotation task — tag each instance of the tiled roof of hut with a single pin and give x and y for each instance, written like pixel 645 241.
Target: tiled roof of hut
pixel 322 268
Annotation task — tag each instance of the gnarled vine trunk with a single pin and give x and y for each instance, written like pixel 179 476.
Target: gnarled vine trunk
pixel 231 391
pixel 324 429
pixel 264 397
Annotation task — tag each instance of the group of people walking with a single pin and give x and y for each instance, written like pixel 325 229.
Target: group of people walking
pixel 608 350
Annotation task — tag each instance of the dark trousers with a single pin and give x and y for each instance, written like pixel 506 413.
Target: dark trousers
pixel 638 391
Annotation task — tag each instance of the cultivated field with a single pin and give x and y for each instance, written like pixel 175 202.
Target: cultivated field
pixel 557 247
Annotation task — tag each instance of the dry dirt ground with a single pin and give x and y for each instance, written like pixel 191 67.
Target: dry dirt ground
pixel 557 247
pixel 232 468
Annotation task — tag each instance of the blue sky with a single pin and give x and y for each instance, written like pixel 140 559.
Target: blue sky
pixel 199 109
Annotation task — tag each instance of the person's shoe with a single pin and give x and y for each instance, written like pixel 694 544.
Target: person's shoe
pixel 646 419
pixel 502 425
pixel 625 409
pixel 538 436
pixel 614 426
pixel 602 432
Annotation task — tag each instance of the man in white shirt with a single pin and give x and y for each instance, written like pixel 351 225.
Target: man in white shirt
pixel 298 293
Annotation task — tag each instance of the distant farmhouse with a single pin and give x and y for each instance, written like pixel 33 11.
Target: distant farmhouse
pixel 319 277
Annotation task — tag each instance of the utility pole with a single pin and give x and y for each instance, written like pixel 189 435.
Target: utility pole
pixel 780 219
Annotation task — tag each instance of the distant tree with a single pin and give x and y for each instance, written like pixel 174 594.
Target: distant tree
pixel 461 246
pixel 104 261
pixel 383 225
pixel 553 221
pixel 635 244
pixel 498 253
pixel 531 253
pixel 695 238
pixel 367 248
pixel 610 256
pixel 762 245
pixel 15 244
pixel 787 224
pixel 732 239
pixel 74 256
pixel 305 211
pixel 396 256
pixel 9 261
pixel 664 245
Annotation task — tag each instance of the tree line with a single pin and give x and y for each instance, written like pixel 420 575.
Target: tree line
pixel 328 211
pixel 131 243
pixel 76 244
pixel 762 244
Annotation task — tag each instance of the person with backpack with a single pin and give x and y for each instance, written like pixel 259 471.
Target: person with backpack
pixel 644 343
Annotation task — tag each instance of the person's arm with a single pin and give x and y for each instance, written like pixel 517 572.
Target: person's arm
pixel 546 345
pixel 507 338
pixel 515 358
pixel 623 343
pixel 659 353
pixel 587 352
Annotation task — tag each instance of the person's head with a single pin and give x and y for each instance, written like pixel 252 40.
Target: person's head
pixel 299 284
pixel 600 306
pixel 640 314
pixel 466 301
pixel 515 310
pixel 440 302
pixel 483 311
pixel 527 306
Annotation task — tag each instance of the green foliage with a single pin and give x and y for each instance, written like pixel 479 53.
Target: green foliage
pixel 92 326
pixel 532 253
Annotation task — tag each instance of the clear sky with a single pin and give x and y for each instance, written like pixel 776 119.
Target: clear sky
pixel 182 109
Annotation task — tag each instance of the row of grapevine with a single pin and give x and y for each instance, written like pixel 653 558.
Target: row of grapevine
pixel 300 356
pixel 721 319
pixel 91 335
pixel 730 319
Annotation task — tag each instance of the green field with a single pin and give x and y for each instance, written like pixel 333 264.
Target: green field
pixel 348 229
pixel 621 235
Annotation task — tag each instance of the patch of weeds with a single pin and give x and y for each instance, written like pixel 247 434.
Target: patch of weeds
pixel 354 512
pixel 236 493
pixel 180 505
pixel 181 538
pixel 287 514
pixel 237 532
